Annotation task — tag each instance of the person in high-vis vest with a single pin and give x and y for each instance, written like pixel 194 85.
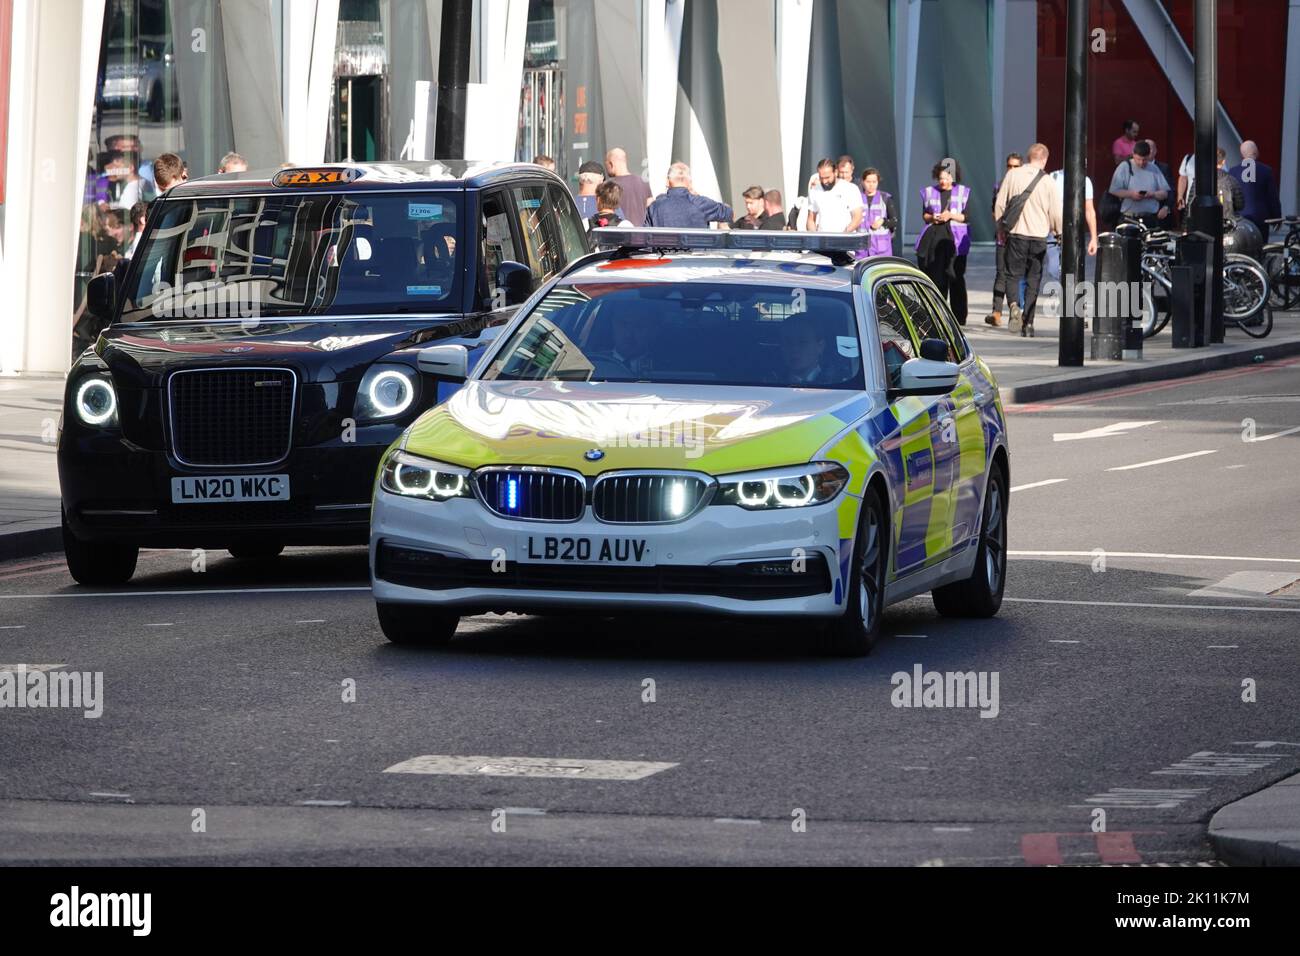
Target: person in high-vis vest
pixel 944 243
pixel 879 217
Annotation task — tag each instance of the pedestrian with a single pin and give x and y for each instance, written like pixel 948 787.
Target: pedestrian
pixel 844 167
pixel 1053 262
pixel 1122 148
pixel 636 191
pixel 1231 197
pixel 680 207
pixel 1258 187
pixel 1028 207
pixel 834 205
pixel 232 163
pixel 994 318
pixel 168 170
pixel 1186 185
pixel 609 196
pixel 546 162
pixel 879 216
pixel 773 213
pixel 944 243
pixel 1140 187
pixel 754 212
pixel 138 216
pixel 590 175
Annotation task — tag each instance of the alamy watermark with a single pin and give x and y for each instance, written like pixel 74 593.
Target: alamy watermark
pixel 24 688
pixel 197 300
pixel 949 689
pixel 1084 299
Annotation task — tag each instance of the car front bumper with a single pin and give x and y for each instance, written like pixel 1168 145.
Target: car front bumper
pixel 460 556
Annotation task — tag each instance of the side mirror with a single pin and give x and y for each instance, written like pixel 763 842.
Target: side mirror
pixel 923 376
pixel 516 280
pixel 445 361
pixel 101 296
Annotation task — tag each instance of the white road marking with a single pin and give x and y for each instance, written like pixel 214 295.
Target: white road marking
pixel 1222 647
pixel 122 594
pixel 916 768
pixel 741 820
pixel 951 829
pixel 1248 584
pixel 12 668
pixel 1148 554
pixel 1289 431
pixel 1178 607
pixel 1133 798
pixel 321 621
pixel 1105 431
pixel 531 767
pixel 525 811
pixel 324 803
pixel 12 627
pixel 1265 744
pixel 1207 763
pixel 1062 642
pixel 1165 461
pixel 111 796
pixel 1039 484
pixel 163 624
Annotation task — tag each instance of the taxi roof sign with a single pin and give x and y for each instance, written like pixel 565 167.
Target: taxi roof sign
pixel 317 176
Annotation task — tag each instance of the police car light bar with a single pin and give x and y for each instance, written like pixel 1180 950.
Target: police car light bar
pixel 748 240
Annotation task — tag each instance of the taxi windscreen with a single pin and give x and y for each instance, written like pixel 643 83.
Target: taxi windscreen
pixel 687 333
pixel 298 253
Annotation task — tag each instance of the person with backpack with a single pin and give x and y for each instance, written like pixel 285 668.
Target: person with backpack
pixel 1027 209
pixel 609 196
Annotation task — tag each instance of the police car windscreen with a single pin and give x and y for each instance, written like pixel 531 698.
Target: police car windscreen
pixel 687 333
pixel 299 253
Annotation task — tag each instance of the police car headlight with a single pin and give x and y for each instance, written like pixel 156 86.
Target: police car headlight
pixel 386 391
pixel 793 487
pixel 413 477
pixel 95 401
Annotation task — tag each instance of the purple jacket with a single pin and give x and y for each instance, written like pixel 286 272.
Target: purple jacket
pixel 881 241
pixel 956 203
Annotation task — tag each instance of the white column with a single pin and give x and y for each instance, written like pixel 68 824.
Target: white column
pixel 254 82
pixel 793 40
pixel 492 106
pixel 907 38
pixel 662 35
pixel 52 92
pixel 309 30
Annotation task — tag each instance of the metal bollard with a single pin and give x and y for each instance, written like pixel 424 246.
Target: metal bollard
pixel 1117 298
pixel 1190 297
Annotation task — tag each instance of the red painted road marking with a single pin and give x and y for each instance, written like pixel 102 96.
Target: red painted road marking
pixel 1044 849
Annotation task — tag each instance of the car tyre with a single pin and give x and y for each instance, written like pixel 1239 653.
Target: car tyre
pixel 857 630
pixel 256 551
pixel 98 564
pixel 980 595
pixel 413 625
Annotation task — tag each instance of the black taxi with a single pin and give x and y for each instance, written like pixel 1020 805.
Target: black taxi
pixel 263 348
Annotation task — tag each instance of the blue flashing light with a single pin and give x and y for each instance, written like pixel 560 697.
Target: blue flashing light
pixel 512 494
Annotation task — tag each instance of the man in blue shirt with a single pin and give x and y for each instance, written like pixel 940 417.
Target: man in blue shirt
pixel 679 208
pixel 1258 187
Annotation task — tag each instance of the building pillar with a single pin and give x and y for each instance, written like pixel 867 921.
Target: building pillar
pixel 309 29
pixel 55 61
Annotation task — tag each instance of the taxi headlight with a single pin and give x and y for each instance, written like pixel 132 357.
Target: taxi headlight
pixel 96 401
pixel 413 477
pixel 386 391
pixel 793 487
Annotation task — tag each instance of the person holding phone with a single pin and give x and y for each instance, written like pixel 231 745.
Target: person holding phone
pixel 1141 187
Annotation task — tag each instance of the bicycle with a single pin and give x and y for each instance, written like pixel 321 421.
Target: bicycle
pixel 1282 263
pixel 1245 285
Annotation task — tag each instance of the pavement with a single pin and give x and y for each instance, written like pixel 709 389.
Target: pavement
pixel 29 484
pixel 1146 660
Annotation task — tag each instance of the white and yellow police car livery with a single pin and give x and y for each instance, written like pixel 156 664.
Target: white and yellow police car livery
pixel 702 421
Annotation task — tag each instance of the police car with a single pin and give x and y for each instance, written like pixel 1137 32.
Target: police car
pixel 747 423
pixel 261 350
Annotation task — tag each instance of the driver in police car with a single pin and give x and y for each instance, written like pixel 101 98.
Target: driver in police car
pixel 803 349
pixel 630 356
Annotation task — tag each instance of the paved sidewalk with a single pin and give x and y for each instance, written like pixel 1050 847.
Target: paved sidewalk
pixel 1026 368
pixel 1262 829
pixel 29 483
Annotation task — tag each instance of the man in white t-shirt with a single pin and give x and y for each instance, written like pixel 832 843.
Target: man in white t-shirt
pixel 1089 215
pixel 834 205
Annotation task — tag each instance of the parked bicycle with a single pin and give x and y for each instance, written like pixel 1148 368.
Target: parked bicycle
pixel 1282 263
pixel 1245 284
